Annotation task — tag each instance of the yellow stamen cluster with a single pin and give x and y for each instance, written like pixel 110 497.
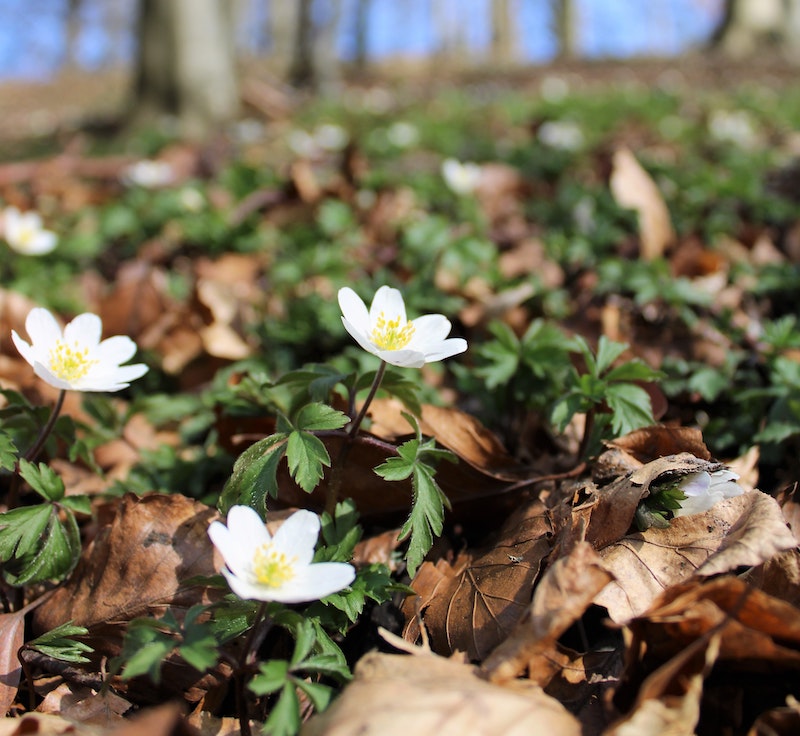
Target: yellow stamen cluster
pixel 389 335
pixel 70 362
pixel 271 567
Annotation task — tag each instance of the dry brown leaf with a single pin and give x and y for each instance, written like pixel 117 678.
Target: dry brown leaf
pixel 668 703
pixel 475 606
pixel 84 705
pixel 745 530
pixel 41 724
pixel 430 696
pixel 134 567
pixel 12 637
pixel 633 188
pixel 564 593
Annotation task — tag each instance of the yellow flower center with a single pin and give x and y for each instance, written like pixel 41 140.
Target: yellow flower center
pixel 272 567
pixel 70 362
pixel 389 335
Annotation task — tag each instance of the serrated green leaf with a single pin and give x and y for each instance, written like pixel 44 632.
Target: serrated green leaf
pixel 307 456
pixel 147 659
pixel 42 479
pixel 8 452
pixel 607 352
pixel 426 519
pixel 57 556
pixel 284 718
pixel 633 370
pixel 630 407
pixel 316 417
pixel 59 644
pixel 271 677
pixel 305 638
pixel 567 407
pixel 79 504
pixel 254 475
pixel 340 534
pixel 319 694
pixel 396 468
pixel 21 530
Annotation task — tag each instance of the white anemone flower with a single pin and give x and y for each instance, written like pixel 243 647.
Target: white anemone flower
pixel 76 359
pixel 263 567
pixel 149 174
pixel 461 178
pixel 25 234
pixel 704 489
pixel 385 331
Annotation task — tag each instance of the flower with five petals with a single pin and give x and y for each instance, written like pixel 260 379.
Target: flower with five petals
pixel 25 234
pixel 265 567
pixel 384 330
pixel 76 359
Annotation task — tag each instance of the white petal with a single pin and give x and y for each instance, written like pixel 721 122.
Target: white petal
pixel 360 337
pixel 24 347
pixel 696 484
pixel 245 524
pixel 43 330
pixel 236 552
pixel 297 537
pixel 445 349
pixel 44 373
pixel 249 591
pixel 85 329
pixel 429 329
pixel 354 310
pixel 115 350
pixel 315 582
pixel 390 302
pixel 402 358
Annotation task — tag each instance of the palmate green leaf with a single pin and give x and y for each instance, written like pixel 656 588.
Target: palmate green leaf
pixel 633 370
pixel 79 504
pixel 630 407
pixel 502 356
pixel 284 718
pixel 42 479
pixel 567 407
pixel 317 416
pixel 8 452
pixel 21 530
pixel 255 475
pixel 271 677
pixel 307 457
pixel 319 694
pixel 607 352
pixel 57 556
pixel 341 533
pixel 199 647
pixel 59 644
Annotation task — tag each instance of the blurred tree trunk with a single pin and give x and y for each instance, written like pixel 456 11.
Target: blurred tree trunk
pixel 449 28
pixel 752 26
pixel 314 58
pixel 360 25
pixel 565 21
pixel 73 33
pixel 186 64
pixel 504 40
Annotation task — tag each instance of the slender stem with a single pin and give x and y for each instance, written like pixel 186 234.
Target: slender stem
pixel 13 489
pixel 335 480
pixel 246 660
pixel 588 430
pixel 376 382
pixel 34 451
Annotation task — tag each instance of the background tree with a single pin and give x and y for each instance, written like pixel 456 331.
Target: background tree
pixel 750 26
pixel 565 26
pixel 186 64
pixel 504 48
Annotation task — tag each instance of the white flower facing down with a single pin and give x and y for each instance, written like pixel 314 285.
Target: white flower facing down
pixel 385 331
pixel 461 178
pixel 704 489
pixel 25 234
pixel 76 359
pixel 263 567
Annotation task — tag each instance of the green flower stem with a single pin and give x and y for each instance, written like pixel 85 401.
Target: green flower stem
pixel 13 490
pixel 261 626
pixel 335 481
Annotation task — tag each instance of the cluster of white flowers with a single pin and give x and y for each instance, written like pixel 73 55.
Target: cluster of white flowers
pixel 564 135
pixel 461 178
pixel 736 127
pixel 704 489
pixel 25 233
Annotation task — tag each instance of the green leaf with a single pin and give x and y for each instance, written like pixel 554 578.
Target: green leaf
pixel 254 475
pixel 21 530
pixel 426 519
pixel 607 352
pixel 199 647
pixel 319 417
pixel 56 558
pixel 284 718
pixel 319 694
pixel 42 479
pixel 147 659
pixel 271 677
pixel 8 452
pixel 79 504
pixel 567 407
pixel 306 456
pixel 305 638
pixel 633 370
pixel 59 644
pixel 630 407
pixel 397 468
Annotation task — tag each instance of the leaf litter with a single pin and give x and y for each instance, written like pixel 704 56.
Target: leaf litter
pixel 543 608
